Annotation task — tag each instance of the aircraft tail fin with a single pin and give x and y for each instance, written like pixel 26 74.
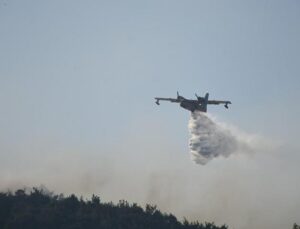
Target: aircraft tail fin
pixel 204 104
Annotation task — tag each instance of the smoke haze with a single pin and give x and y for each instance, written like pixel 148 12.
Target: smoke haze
pixel 244 190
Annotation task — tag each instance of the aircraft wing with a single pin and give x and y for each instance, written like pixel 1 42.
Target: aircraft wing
pixel 216 102
pixel 167 99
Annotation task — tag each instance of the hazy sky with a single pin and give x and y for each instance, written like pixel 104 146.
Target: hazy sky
pixel 77 81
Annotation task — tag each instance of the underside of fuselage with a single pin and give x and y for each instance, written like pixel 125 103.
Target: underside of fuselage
pixel 192 106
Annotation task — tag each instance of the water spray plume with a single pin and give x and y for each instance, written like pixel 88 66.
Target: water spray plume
pixel 210 140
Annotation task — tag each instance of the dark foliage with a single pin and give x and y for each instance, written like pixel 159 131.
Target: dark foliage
pixel 39 209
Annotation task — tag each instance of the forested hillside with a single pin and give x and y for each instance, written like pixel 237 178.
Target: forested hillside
pixel 39 209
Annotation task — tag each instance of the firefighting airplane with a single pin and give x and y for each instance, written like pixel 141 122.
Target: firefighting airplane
pixel 193 105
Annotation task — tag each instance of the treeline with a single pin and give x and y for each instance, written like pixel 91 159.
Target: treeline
pixel 39 209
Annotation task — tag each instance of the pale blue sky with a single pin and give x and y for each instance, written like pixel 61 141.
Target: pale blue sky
pixel 83 74
pixel 69 65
